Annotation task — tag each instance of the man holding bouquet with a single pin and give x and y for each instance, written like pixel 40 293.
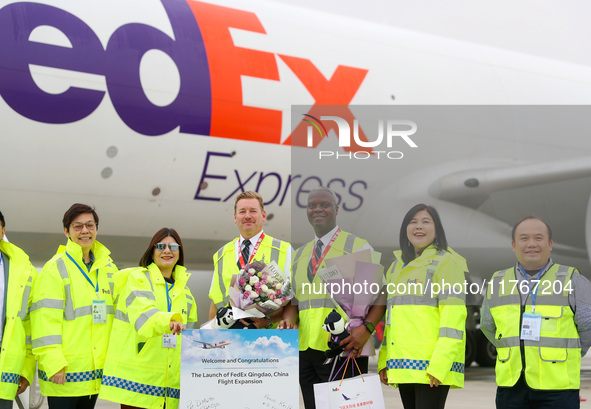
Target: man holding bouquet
pixel 312 309
pixel 252 245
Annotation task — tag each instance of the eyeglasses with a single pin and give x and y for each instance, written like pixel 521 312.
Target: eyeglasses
pixel 172 246
pixel 79 226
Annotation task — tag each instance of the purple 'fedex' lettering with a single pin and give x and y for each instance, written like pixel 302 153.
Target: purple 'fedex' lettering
pixel 119 64
pixel 17 86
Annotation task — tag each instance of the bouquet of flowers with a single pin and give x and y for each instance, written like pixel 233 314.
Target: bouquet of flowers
pixel 259 289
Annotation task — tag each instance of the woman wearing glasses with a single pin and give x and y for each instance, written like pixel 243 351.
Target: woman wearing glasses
pixel 72 314
pixel 154 305
pixel 424 340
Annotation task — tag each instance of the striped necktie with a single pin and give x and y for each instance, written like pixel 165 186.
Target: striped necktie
pixel 245 253
pixel 317 254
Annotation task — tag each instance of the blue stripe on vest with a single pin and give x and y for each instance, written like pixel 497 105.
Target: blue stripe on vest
pixel 141 388
pixel 76 376
pixel 419 364
pixel 10 377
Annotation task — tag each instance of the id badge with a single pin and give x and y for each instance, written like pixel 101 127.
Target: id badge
pixel 99 311
pixel 168 341
pixel 531 326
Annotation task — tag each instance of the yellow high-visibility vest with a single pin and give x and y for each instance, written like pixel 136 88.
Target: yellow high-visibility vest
pixel 553 362
pixel 16 358
pixel 313 305
pixel 425 334
pixel 63 331
pixel 139 371
pixel 224 261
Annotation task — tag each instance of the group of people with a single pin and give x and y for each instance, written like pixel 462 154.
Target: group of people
pixel 99 332
pixel 94 330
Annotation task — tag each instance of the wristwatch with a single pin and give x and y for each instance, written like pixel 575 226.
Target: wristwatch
pixel 370 327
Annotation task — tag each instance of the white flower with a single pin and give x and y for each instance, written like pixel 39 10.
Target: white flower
pixel 247 287
pixel 278 286
pixel 253 279
pixel 265 288
pixel 251 270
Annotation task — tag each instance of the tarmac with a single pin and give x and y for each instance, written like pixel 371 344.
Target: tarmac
pixel 479 390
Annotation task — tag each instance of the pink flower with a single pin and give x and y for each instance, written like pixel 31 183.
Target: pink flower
pixel 257 285
pixel 263 281
pixel 242 281
pixel 278 293
pixel 258 291
pixel 246 294
pixel 271 296
pixel 283 299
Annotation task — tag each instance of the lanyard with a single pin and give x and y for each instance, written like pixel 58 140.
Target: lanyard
pixel 534 294
pixel 85 276
pixel 254 251
pixel 168 300
pixel 316 263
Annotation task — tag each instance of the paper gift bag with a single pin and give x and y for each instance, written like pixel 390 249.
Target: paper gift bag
pixel 363 391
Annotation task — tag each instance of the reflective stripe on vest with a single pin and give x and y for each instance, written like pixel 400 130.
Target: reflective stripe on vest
pixel 219 271
pixel 315 303
pixel 76 376
pixel 8 377
pixel 70 314
pixel 142 388
pixel 419 365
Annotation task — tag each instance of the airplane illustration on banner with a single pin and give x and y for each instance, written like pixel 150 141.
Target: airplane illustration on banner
pixel 209 345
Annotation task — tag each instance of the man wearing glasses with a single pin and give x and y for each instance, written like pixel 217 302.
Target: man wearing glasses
pixel 252 245
pixel 18 370
pixel 538 316
pixel 72 313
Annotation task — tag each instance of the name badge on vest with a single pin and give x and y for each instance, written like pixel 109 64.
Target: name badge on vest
pixel 168 341
pixel 99 311
pixel 531 326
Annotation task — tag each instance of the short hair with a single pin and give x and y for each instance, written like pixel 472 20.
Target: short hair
pixel 148 257
pixel 2 221
pixel 328 190
pixel 408 251
pixel 249 194
pixel 76 210
pixel 528 218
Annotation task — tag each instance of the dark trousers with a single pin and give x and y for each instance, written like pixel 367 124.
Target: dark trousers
pixel 313 371
pixel 521 396
pixel 71 402
pixel 423 396
pixel 6 404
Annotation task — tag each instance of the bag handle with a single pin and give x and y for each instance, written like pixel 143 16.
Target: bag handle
pixel 347 364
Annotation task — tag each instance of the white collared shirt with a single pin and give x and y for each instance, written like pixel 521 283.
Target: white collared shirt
pixel 326 239
pixel 253 241
pixel 238 245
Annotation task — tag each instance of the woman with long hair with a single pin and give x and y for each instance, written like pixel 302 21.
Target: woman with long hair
pixel 424 341
pixel 153 306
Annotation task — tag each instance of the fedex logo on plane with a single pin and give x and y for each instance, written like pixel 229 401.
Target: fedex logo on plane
pixel 210 67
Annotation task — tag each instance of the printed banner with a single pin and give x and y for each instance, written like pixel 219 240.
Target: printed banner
pixel 239 369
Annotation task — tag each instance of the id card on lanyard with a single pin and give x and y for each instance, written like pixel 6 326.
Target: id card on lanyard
pixel 168 340
pixel 531 324
pixel 99 307
pixel 254 251
pixel 316 263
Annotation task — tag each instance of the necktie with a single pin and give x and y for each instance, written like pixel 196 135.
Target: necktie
pixel 245 252
pixel 317 254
